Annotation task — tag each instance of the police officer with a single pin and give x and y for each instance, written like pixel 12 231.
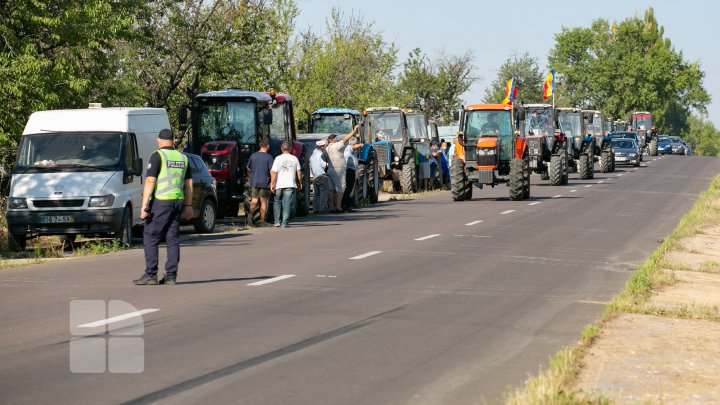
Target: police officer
pixel 164 201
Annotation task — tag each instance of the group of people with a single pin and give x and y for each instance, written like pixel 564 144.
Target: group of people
pixel 333 166
pixel 430 161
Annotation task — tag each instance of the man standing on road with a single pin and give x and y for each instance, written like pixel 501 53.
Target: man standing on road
pixel 285 180
pixel 350 172
pixel 318 168
pixel 336 169
pixel 164 202
pixel 259 167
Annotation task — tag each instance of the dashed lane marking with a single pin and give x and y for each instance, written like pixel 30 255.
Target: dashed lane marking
pixel 272 280
pixel 364 255
pixel 506 212
pixel 601 182
pixel 589 185
pixel 428 237
pixel 573 191
pixel 534 203
pixel 118 318
pixel 473 223
pixel 619 174
pixel 557 196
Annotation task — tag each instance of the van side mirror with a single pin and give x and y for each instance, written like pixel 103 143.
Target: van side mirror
pixel 137 167
pixel 267 116
pixel 183 118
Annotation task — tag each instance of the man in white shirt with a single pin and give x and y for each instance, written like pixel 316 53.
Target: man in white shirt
pixel 285 180
pixel 318 167
pixel 350 172
pixel 336 168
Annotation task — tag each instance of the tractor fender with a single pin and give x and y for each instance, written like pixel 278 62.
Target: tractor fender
pixel 297 149
pixel 520 147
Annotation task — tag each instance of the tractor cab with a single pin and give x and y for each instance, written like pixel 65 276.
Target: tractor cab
pixel 331 121
pixel 547 145
pixel 641 123
pixel 581 144
pixel 595 125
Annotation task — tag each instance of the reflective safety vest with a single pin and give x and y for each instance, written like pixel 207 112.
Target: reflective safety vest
pixel 169 184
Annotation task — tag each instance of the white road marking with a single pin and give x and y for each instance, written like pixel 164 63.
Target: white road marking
pixel 601 182
pixel 364 255
pixel 534 203
pixel 324 276
pixel 506 212
pixel 272 280
pixel 620 174
pixel 573 191
pixel 589 185
pixel 473 223
pixel 428 237
pixel 117 318
pixel 643 165
pixel 557 196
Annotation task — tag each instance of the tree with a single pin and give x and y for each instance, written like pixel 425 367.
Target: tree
pixel 528 75
pixel 627 66
pixel 434 87
pixel 703 136
pixel 54 55
pixel 350 66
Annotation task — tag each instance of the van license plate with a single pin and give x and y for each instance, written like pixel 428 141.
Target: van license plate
pixel 57 219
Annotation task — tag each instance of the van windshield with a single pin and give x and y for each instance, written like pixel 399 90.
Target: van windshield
pixel 80 151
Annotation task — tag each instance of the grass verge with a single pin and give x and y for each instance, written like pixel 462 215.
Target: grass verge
pixel 552 386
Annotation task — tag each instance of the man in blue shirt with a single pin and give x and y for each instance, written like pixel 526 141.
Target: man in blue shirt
pixel 259 167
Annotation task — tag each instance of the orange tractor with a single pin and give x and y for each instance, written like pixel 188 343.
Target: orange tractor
pixel 490 150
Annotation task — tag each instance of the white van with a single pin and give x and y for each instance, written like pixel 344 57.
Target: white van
pixel 81 172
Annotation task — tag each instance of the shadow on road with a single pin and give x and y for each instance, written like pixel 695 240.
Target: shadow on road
pixel 224 280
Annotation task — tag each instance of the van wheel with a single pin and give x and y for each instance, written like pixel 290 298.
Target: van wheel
pixel 205 223
pixel 124 235
pixel 17 242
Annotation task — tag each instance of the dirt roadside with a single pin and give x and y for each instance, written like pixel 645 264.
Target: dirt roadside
pixel 671 353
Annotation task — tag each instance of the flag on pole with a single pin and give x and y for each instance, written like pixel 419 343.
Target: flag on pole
pixel 549 86
pixel 510 92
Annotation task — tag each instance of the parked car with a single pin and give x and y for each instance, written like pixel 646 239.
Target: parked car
pixel 205 199
pixel 627 151
pixel 664 145
pixel 628 135
pixel 677 145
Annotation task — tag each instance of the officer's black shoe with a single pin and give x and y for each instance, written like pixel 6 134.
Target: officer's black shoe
pixel 146 280
pixel 168 280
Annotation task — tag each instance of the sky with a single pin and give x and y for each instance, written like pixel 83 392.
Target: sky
pixel 494 30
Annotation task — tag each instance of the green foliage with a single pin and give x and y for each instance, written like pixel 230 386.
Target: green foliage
pixel 350 66
pixel 529 77
pixel 99 247
pixel 627 66
pixel 54 55
pixel 703 136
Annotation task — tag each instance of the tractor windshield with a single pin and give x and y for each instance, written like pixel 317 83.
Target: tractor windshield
pixel 571 123
pixel 642 122
pixel 482 123
pixel 417 127
pixel 227 121
pixel 278 128
pixel 385 126
pixel 596 127
pixel 539 122
pixel 327 123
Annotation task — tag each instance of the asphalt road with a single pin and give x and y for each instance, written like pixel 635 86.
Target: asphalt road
pixel 460 300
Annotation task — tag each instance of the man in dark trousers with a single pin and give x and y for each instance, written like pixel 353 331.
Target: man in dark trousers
pixel 167 197
pixel 259 167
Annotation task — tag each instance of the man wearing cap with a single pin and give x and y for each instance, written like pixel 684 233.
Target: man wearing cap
pixel 336 168
pixel 318 169
pixel 167 197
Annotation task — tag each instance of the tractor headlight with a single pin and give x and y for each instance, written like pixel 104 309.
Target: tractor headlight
pixel 397 158
pixel 486 152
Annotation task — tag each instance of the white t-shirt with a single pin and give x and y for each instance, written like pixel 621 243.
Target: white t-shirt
pixel 286 167
pixel 350 157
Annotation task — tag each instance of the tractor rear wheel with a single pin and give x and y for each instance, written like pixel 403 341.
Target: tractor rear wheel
pixel 605 161
pixel 565 173
pixel 407 179
pixel 516 179
pixel 555 171
pixel 458 180
pixel 654 147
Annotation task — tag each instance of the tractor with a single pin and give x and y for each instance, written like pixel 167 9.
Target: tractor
pixel 641 123
pixel 581 145
pixel 394 135
pixel 490 150
pixel 595 125
pixel 226 127
pixel 547 146
pixel 340 121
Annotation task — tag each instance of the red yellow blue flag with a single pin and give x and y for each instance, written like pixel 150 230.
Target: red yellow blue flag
pixel 510 92
pixel 549 86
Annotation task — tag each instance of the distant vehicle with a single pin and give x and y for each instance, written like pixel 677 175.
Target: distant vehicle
pixel 641 122
pixel 595 125
pixel 629 135
pixel 677 145
pixel 664 145
pixel 204 199
pixel 581 144
pixel 688 149
pixel 627 151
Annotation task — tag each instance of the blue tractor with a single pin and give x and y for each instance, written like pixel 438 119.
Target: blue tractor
pixel 326 121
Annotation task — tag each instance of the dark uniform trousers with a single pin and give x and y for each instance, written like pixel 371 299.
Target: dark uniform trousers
pixel 164 220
